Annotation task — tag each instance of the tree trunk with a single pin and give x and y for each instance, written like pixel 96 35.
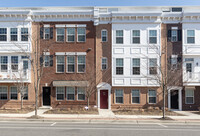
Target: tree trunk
pixel 36 102
pixel 21 102
pixel 88 102
pixel 163 102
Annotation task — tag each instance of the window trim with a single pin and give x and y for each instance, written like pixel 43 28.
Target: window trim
pixel 156 66
pixel 122 96
pixel 60 34
pixel 5 34
pixel 24 34
pixel 132 67
pixel 14 34
pixel 135 36
pixel 18 64
pixel 67 93
pixel 174 35
pixel 10 93
pixel 155 96
pixel 45 33
pixel 81 34
pixel 119 36
pixel 190 37
pixel 120 66
pixel 7 63
pixel 7 94
pixel 189 96
pixel 71 35
pixel 45 61
pixel 57 93
pixel 104 35
pixel 70 63
pixel 57 63
pixel 152 36
pixel 105 63
pixel 132 96
pixel 81 63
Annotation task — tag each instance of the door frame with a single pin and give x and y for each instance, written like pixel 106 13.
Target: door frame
pixel 179 97
pixel 172 102
pixel 42 95
pixel 100 97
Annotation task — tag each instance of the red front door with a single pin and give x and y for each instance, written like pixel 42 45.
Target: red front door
pixel 104 99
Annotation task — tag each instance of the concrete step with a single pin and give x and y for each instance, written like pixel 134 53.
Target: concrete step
pixel 45 108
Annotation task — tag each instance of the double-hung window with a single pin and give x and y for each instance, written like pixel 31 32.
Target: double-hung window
pixel 46 61
pixel 174 36
pixel 70 34
pixel 104 63
pixel 119 96
pixel 46 33
pixel 135 96
pixel 190 36
pixel 60 64
pixel 70 64
pixel 136 66
pixel 189 96
pixel 153 36
pixel 104 34
pixel 14 63
pixel 70 93
pixel 153 66
pixel 60 34
pixel 60 93
pixel 81 93
pixel 3 93
pixel 136 36
pixel 13 34
pixel 81 63
pixel 119 36
pixel 13 93
pixel 3 34
pixel 189 67
pixel 152 96
pixel 4 63
pixel 25 93
pixel 81 32
pixel 119 66
pixel 24 34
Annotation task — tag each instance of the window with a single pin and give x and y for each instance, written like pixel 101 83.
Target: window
pixel 152 96
pixel 104 63
pixel 25 67
pixel 3 93
pixel 174 59
pixel 136 36
pixel 119 36
pixel 153 36
pixel 190 36
pixel 60 64
pixel 71 64
pixel 60 93
pixel 14 63
pixel 119 96
pixel 70 34
pixel 189 67
pixel 46 33
pixel 189 96
pixel 46 61
pixel 3 34
pixel 4 63
pixel 104 35
pixel 24 34
pixel 81 63
pixel 136 66
pixel 81 93
pixel 174 36
pixel 13 93
pixel 70 93
pixel 13 34
pixel 135 96
pixel 119 66
pixel 25 93
pixel 152 66
pixel 60 34
pixel 81 34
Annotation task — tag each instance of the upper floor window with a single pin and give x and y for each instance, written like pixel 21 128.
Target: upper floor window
pixel 3 34
pixel 81 32
pixel 153 66
pixel 119 93
pixel 70 64
pixel 14 63
pixel 81 63
pixel 46 61
pixel 119 36
pixel 104 35
pixel 13 34
pixel 60 32
pixel 136 36
pixel 13 93
pixel 46 33
pixel 4 63
pixel 3 93
pixel 153 36
pixel 174 59
pixel 152 96
pixel 190 36
pixel 119 66
pixel 60 64
pixel 70 34
pixel 24 34
pixel 81 93
pixel 136 66
pixel 104 63
pixel 135 96
pixel 174 36
pixel 189 67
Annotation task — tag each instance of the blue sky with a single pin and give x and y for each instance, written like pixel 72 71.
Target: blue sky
pixel 43 3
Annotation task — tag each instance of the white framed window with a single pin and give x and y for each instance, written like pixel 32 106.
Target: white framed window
pixel 60 64
pixel 136 66
pixel 81 63
pixel 174 36
pixel 152 96
pixel 135 96
pixel 119 66
pixel 3 92
pixel 13 34
pixel 153 66
pixel 119 96
pixel 24 34
pixel 81 93
pixel 104 35
pixel 4 63
pixel 136 36
pixel 70 64
pixel 189 67
pixel 70 34
pixel 14 63
pixel 153 36
pixel 46 61
pixel 81 34
pixel 119 37
pixel 13 93
pixel 46 33
pixel 60 34
pixel 174 59
pixel 3 34
pixel 104 63
pixel 25 93
pixel 70 93
pixel 60 93
pixel 190 36
pixel 189 96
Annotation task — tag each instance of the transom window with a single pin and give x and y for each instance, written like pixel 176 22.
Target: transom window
pixel 70 93
pixel 24 34
pixel 152 96
pixel 119 36
pixel 136 36
pixel 190 36
pixel 119 96
pixel 70 34
pixel 81 63
pixel 14 63
pixel 60 34
pixel 104 63
pixel 13 93
pixel 189 96
pixel 4 63
pixel 104 35
pixel 135 96
pixel 119 66
pixel 153 66
pixel 3 34
pixel 136 66
pixel 81 93
pixel 81 32
pixel 60 93
pixel 60 64
pixel 3 93
pixel 71 64
pixel 153 36
pixel 13 34
pixel 174 36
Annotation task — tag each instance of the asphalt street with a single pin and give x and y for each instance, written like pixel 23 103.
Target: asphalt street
pixel 15 128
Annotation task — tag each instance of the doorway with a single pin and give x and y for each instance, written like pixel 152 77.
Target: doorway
pixel 174 99
pixel 104 99
pixel 46 96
